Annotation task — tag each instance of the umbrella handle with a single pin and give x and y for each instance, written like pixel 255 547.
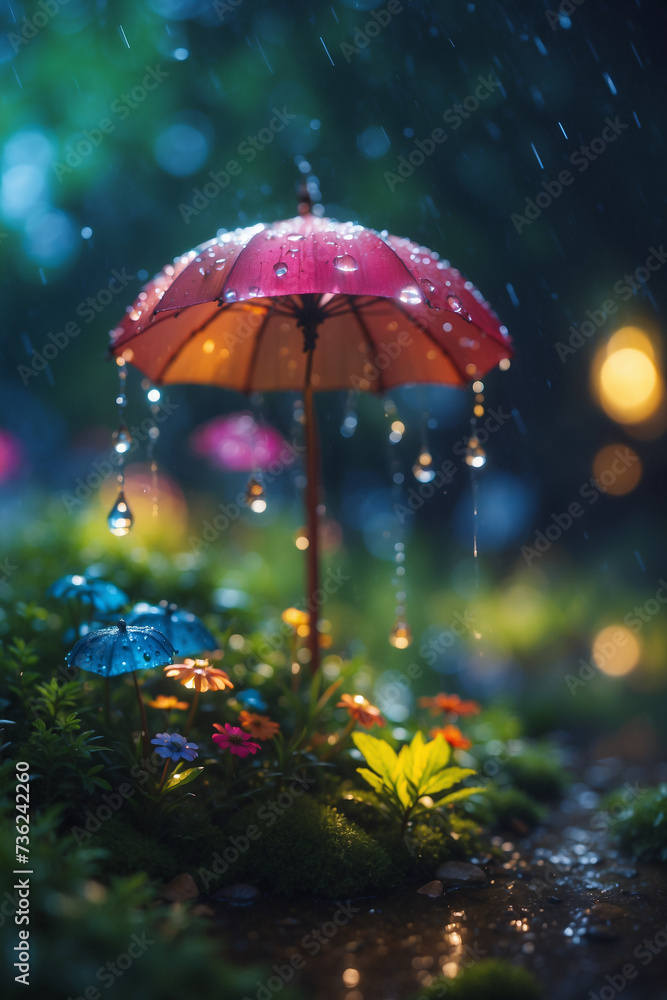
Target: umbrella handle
pixel 312 491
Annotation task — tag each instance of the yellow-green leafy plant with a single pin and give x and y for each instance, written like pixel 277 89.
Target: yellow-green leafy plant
pixel 412 781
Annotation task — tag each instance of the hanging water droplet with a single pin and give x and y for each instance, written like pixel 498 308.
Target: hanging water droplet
pixel 121 399
pixel 475 454
pixel 345 262
pixel 454 303
pixel 401 635
pixel 423 470
pixel 255 495
pixel 349 425
pixel 120 518
pixel 230 295
pixel 280 268
pixel 410 295
pixel 122 440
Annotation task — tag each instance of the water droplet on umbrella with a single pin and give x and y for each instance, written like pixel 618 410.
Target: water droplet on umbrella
pixel 345 262
pixel 295 236
pixel 428 285
pixel 147 656
pixel 454 303
pixel 410 295
pixel 230 295
pixel 280 268
pixel 253 292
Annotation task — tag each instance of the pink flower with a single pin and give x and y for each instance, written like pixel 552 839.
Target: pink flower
pixel 234 739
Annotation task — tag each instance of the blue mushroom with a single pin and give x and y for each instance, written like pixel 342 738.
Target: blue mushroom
pixel 185 631
pixel 103 596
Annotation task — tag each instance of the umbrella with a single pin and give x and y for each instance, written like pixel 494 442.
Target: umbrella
pixel 123 649
pixel 187 634
pixel 104 597
pixel 310 304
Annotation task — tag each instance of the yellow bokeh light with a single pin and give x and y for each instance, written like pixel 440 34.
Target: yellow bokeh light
pixel 626 377
pixel 616 650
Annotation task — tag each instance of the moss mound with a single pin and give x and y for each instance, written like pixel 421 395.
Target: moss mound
pixel 641 828
pixel 501 808
pixel 130 851
pixel 310 849
pixel 488 979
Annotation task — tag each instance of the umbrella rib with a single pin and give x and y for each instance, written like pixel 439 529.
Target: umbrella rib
pixel 367 337
pixel 253 356
pixel 190 336
pixel 427 333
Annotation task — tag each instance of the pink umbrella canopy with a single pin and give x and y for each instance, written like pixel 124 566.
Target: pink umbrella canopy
pixel 388 312
pixel 310 304
pixel 238 443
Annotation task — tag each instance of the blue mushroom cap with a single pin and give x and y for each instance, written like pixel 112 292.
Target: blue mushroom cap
pixel 105 597
pixel 121 649
pixel 185 631
pixel 252 699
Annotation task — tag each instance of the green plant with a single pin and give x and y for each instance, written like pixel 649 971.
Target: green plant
pixel 641 828
pixel 488 979
pixel 538 771
pixel 501 808
pixel 407 782
pixel 63 755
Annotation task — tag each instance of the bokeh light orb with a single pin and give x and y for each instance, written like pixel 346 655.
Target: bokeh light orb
pixel 616 650
pixel 239 444
pixel 626 377
pixel 10 456
pixel 617 469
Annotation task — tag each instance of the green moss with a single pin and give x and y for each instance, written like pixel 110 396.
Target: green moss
pixel 539 772
pixel 641 828
pixel 499 808
pixel 130 851
pixel 489 979
pixel 361 807
pixel 436 839
pixel 310 849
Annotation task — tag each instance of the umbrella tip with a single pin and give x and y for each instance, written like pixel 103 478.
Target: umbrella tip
pixel 122 626
pixel 305 206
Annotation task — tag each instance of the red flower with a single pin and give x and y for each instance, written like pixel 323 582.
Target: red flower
pixel 449 703
pixel 453 735
pixel 361 710
pixel 234 739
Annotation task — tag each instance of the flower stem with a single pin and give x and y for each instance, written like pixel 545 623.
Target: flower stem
pixel 144 724
pixel 341 739
pixel 191 716
pixel 164 775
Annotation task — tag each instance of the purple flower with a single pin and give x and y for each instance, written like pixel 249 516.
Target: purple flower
pixel 175 746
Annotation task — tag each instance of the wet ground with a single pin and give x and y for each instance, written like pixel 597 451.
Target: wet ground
pixel 563 903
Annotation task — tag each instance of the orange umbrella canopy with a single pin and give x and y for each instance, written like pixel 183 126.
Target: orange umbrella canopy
pixel 381 311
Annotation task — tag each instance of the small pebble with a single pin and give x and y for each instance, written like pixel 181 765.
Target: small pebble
pixel 460 873
pixel 434 889
pixel 180 889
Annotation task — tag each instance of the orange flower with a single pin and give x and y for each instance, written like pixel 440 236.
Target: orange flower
pixel 260 727
pixel 361 710
pixel 167 702
pixel 449 703
pixel 454 737
pixel 199 675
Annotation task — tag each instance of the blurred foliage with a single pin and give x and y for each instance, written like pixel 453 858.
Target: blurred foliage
pixel 641 826
pixel 488 979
